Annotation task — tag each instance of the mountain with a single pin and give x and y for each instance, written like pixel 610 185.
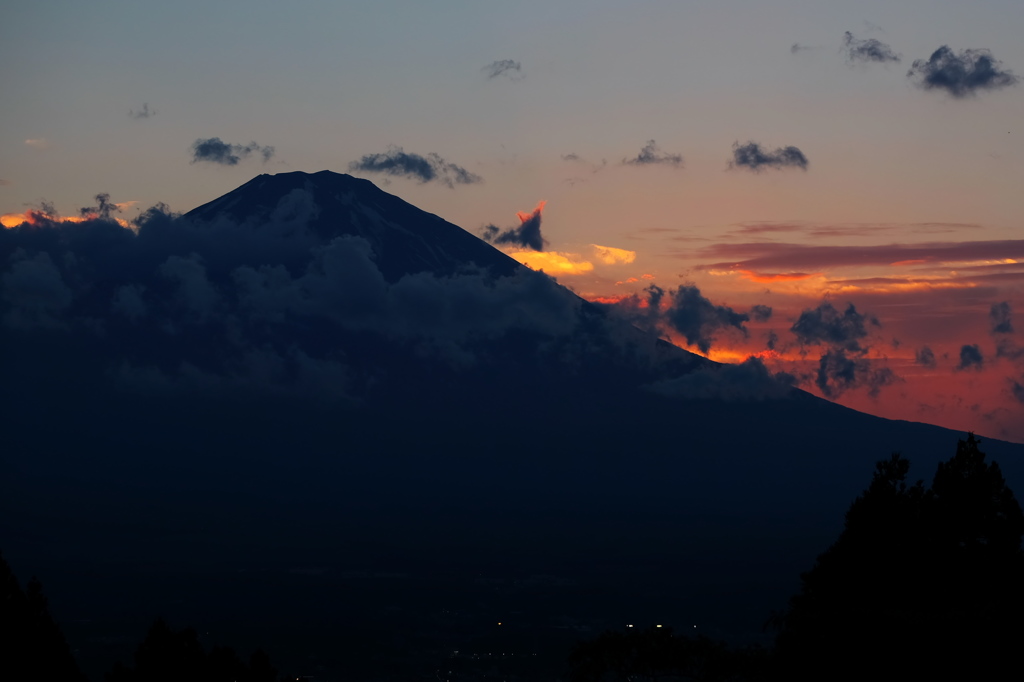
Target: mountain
pixel 404 239
pixel 309 389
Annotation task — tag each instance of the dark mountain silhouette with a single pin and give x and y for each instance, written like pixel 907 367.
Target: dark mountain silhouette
pixel 309 372
pixel 404 239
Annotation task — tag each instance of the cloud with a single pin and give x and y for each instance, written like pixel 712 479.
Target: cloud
pixel 396 162
pixel 761 313
pixel 38 143
pixel 215 150
pixel 103 208
pixel 838 373
pixel 697 318
pixel 35 291
pixel 826 325
pixel 1017 389
pixel 527 234
pixel 782 256
pixel 752 156
pixel 869 50
pixel 651 155
pixel 747 381
pixel 609 255
pixel 1002 329
pixel 504 67
pixel 961 75
pixel 5 183
pixel 925 356
pixel 553 262
pixel 970 357
pixel 999 316
pixel 796 48
pixel 144 112
pixel 185 305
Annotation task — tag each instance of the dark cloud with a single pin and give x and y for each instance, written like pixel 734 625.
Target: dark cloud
pixel 526 235
pixel 747 381
pixel 144 112
pixel 103 208
pixel 34 291
pixel 571 156
pixel 826 325
pixel 838 373
pixel 650 155
pixel 761 313
pixel 970 357
pixel 961 75
pixel 698 319
pixel 772 340
pixel 396 162
pixel 229 306
pixel 925 356
pixel 1017 389
pixel 752 156
pixel 999 316
pixel 215 150
pixel 504 67
pixel 869 50
pixel 797 47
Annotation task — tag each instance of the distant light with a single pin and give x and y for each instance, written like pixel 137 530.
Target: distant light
pixel 630 625
pixel 499 622
pixel 657 626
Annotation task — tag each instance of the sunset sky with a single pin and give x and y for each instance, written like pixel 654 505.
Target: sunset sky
pixel 884 173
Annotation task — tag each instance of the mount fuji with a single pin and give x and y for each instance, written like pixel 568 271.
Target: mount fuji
pixel 308 373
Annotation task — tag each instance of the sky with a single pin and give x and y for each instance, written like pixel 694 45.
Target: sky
pixel 800 156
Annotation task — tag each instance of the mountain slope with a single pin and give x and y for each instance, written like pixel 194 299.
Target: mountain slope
pixel 309 372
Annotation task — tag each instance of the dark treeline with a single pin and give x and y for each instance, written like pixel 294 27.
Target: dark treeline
pixel 922 583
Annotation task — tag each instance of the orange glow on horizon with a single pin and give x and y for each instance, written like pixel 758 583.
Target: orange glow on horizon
pixel 37 218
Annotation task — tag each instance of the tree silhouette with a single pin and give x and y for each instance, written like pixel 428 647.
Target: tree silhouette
pixel 168 656
pixel 31 643
pixel 921 582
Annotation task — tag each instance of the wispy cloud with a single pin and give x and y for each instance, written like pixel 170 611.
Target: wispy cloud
pixel 143 112
pixel 430 168
pixel 215 150
pixel 753 157
pixel 509 68
pixel 868 50
pixel 774 256
pixel 38 143
pixel 650 155
pixel 961 75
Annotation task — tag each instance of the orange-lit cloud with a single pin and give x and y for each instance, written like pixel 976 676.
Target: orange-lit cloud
pixel 609 255
pixel 766 277
pixel 759 257
pixel 38 143
pixel 523 216
pixel 553 262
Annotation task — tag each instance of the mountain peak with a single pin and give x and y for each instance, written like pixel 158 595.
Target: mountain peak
pixel 404 238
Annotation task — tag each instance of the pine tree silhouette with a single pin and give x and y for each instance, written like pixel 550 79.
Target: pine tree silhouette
pixel 921 582
pixel 31 643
